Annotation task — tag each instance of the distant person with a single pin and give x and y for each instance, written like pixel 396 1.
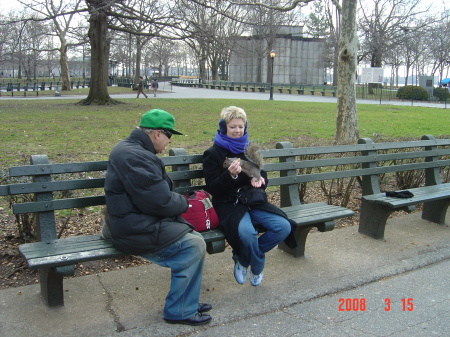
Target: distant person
pixel 155 86
pixel 141 87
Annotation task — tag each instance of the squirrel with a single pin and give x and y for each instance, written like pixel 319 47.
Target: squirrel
pixel 251 167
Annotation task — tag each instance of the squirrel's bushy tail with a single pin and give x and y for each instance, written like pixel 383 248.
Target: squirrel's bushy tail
pixel 252 154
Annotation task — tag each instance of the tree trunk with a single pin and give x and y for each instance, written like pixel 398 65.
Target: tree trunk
pixel 137 69
pixel 98 30
pixel 64 69
pixel 347 121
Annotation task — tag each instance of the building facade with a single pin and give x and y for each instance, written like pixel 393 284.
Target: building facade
pixel 298 60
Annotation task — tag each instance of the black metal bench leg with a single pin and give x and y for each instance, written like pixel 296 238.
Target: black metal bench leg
pixel 372 220
pixel 300 234
pixel 435 211
pixel 215 247
pixel 51 287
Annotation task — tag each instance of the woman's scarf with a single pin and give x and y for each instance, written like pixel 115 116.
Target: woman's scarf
pixel 234 145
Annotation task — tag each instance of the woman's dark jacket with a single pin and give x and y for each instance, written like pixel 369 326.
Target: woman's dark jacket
pixel 144 213
pixel 224 191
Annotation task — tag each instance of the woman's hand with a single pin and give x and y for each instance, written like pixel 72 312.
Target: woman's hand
pixel 235 168
pixel 257 182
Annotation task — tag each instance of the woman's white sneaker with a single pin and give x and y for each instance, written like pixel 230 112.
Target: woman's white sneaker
pixel 255 280
pixel 240 273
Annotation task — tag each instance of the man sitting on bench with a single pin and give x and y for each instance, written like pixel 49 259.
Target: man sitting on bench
pixel 144 216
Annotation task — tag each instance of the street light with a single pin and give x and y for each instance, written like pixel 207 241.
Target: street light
pixel 272 56
pixel 446 88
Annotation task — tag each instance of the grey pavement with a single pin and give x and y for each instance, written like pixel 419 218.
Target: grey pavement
pixel 169 91
pixel 340 288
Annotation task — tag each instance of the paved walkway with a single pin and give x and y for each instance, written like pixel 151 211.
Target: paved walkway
pixel 340 289
pixel 170 91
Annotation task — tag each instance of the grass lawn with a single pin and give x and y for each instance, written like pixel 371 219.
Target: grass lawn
pixel 67 132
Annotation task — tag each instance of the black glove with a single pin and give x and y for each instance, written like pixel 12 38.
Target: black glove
pixel 401 194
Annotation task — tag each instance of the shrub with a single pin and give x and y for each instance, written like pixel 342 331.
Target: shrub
pixel 441 93
pixel 413 92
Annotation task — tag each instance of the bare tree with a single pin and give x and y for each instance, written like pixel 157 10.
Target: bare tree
pixel 62 14
pixel 438 43
pixel 386 24
pixel 323 22
pixel 33 43
pixel 209 33
pixel 129 22
pixel 163 53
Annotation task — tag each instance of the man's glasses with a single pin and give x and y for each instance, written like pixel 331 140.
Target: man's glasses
pixel 167 133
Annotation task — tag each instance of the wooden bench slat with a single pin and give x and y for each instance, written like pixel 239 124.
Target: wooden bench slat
pixel 421 194
pixel 319 214
pixel 184 159
pixel 51 205
pixel 188 174
pixel 353 173
pixel 73 258
pixel 78 249
pixel 33 170
pixel 312 163
pixel 61 185
pixel 187 189
pixel 4 190
pixel 302 151
pixel 333 149
pixel 63 246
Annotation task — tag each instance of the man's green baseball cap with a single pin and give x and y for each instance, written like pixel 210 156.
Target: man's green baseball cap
pixel 159 119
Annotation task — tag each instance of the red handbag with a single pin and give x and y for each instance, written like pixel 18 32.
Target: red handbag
pixel 201 213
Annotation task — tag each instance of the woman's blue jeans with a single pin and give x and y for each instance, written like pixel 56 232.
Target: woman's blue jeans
pixel 253 247
pixel 185 258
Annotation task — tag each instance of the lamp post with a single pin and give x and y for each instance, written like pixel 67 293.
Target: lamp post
pixel 446 88
pixel 272 56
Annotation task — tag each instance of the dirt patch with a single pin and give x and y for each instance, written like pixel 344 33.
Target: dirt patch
pixel 13 269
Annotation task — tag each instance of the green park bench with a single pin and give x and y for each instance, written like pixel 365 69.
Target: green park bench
pixel 234 86
pixel 55 258
pixel 333 91
pixel 428 155
pixel 290 169
pixel 370 162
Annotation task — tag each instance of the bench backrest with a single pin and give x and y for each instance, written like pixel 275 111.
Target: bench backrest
pixel 365 160
pixel 287 167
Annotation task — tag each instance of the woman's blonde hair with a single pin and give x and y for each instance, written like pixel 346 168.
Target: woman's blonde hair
pixel 233 112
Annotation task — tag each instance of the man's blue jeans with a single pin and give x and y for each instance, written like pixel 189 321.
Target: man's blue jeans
pixel 185 258
pixel 253 248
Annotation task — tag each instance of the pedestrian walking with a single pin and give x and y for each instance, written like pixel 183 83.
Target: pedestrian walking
pixel 155 86
pixel 141 87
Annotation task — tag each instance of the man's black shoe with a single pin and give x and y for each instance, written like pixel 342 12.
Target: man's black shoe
pixel 204 307
pixel 197 319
